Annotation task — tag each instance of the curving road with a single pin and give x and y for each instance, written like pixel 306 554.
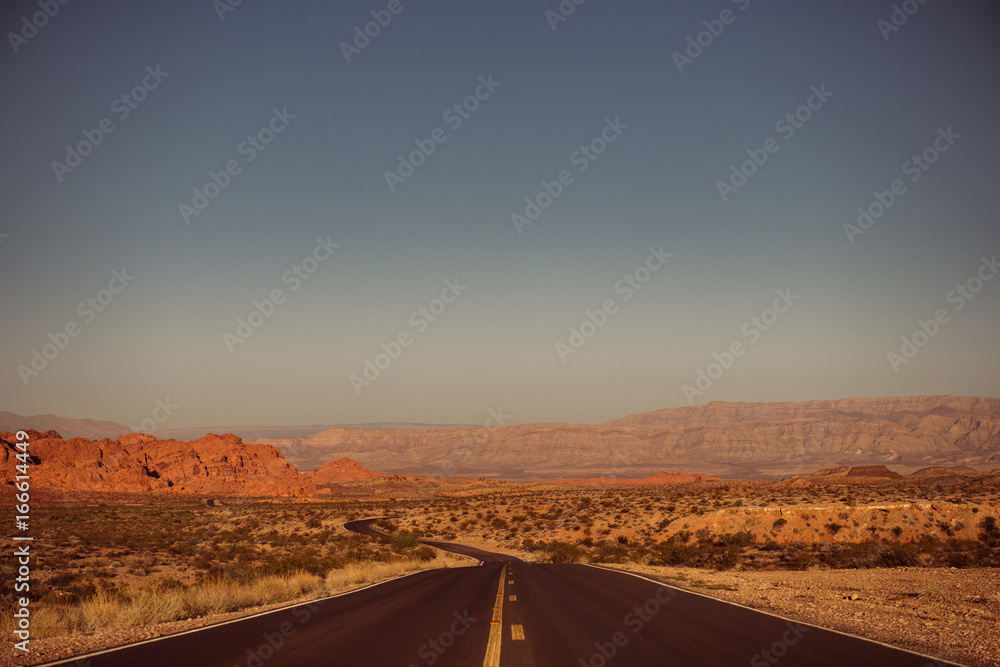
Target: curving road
pixel 365 527
pixel 511 613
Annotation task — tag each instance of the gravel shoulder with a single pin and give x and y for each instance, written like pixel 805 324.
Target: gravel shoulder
pixel 945 613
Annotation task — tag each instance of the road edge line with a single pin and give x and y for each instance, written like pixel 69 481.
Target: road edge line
pixel 783 618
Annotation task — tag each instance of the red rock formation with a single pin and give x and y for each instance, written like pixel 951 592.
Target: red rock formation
pixel 341 470
pixel 138 463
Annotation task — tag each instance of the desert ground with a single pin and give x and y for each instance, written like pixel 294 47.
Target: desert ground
pixel 916 565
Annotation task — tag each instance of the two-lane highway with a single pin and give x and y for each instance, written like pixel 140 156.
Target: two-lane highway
pixel 511 613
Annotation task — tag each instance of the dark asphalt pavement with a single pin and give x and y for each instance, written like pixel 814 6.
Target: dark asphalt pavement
pixel 552 615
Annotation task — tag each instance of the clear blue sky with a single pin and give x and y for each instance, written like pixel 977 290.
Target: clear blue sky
pixel 672 130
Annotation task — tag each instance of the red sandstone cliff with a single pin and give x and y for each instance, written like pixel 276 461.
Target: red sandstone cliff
pixel 138 463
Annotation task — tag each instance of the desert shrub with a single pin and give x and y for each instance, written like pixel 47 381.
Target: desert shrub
pixel 898 555
pixel 607 552
pixel 566 552
pixel 744 538
pixel 778 523
pixel 386 525
pixel 425 553
pixel 989 533
pixel 403 539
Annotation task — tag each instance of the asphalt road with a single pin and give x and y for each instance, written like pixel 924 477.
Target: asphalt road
pixel 551 615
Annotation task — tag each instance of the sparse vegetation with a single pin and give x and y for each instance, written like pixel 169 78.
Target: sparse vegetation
pixel 127 561
pixel 114 565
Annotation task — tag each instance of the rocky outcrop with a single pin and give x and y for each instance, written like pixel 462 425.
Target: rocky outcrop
pixel 138 463
pixel 341 470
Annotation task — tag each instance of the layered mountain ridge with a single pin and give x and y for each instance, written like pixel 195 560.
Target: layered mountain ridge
pixel 719 438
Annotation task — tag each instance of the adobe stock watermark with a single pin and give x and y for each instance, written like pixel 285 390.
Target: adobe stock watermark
pixel 161 413
pixel 928 329
pixel 696 44
pixel 562 12
pixel 779 648
pixel 635 620
pixel 273 641
pixel 786 126
pixel 432 650
pixel 454 116
pixel 264 308
pixel 420 320
pixel 581 158
pixel 752 330
pixel 595 320
pixel 901 13
pixel 87 310
pixel 249 148
pixel 914 168
pixel 31 25
pixel 223 7
pixel 363 35
pixel 122 107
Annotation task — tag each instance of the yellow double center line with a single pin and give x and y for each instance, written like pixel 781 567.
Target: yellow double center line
pixel 492 658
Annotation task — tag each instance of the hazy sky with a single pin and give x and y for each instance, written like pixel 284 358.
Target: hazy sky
pixel 675 169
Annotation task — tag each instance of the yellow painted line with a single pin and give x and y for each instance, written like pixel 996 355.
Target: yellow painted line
pixel 517 632
pixel 512 598
pixel 492 658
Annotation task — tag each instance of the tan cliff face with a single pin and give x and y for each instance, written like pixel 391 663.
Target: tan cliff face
pixel 724 439
pixel 138 463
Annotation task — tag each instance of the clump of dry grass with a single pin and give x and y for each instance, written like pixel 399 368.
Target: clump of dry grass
pixel 114 611
pixel 106 611
pixel 361 574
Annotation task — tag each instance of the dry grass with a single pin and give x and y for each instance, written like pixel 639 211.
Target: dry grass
pixel 362 574
pixel 111 611
pixel 106 611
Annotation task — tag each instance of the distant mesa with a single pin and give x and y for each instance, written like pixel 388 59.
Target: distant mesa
pixel 259 433
pixel 943 471
pixel 855 474
pixel 69 428
pixel 728 440
pixel 656 478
